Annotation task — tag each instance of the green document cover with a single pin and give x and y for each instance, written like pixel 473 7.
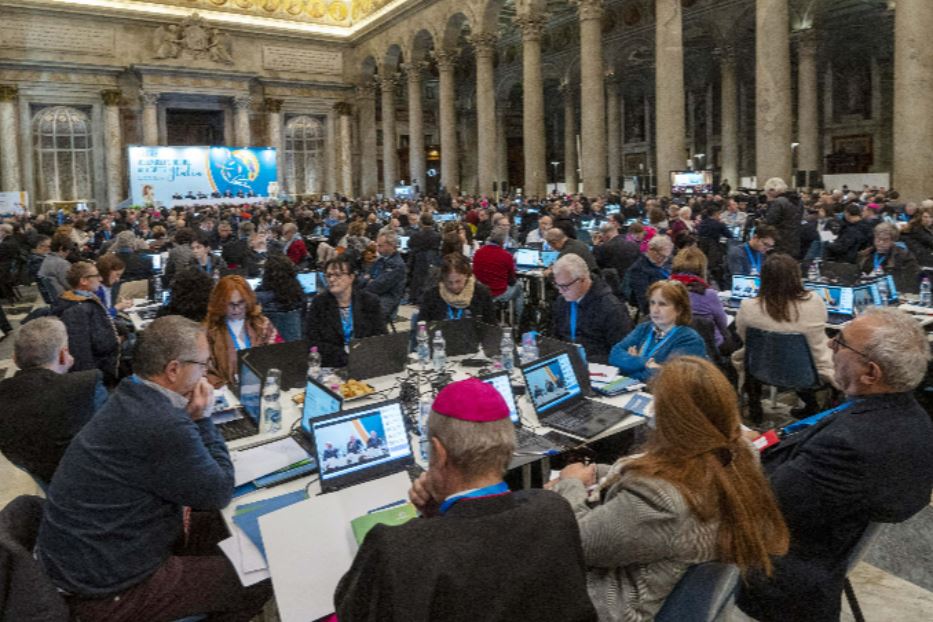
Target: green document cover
pixel 396 515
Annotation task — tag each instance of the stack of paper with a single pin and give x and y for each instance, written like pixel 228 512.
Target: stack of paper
pixel 249 464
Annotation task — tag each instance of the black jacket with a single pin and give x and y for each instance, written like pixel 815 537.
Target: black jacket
pixel 617 253
pixel 602 321
pixel 920 243
pixel 872 462
pixel 325 330
pixel 92 335
pixel 576 247
pixel 433 307
pixel 237 255
pixel 785 215
pixel 42 411
pixel 138 265
pixel 637 280
pixel 853 237
pixel 424 252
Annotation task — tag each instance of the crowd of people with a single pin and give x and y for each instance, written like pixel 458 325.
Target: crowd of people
pixel 125 445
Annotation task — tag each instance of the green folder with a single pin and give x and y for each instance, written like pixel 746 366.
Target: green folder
pixel 395 515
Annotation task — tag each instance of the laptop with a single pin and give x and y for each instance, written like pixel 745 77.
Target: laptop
pixel 549 257
pixel 254 282
pixel 460 336
pixel 378 356
pixel 842 272
pixel 525 440
pixel 308 282
pixel 403 243
pixel 156 259
pixel 360 445
pixel 445 217
pixel 242 422
pixel 551 345
pixel 893 296
pixel 839 301
pixel 320 402
pixel 558 399
pixel 867 295
pixel 527 259
pixel 743 287
pixel 290 357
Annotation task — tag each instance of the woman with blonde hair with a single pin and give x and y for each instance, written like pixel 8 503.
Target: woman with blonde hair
pixel 234 322
pixel 696 494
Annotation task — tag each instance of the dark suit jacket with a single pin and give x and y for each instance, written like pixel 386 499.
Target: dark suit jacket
pixel 576 247
pixel 617 253
pixel 872 462
pixel 602 321
pixel 785 215
pixel 325 331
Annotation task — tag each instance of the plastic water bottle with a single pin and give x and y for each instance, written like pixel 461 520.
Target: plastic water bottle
pixel 507 350
pixel 314 364
pixel 423 350
pixel 424 439
pixel 529 351
pixel 439 352
pixel 813 273
pixel 157 289
pixel 925 300
pixel 883 291
pixel 271 406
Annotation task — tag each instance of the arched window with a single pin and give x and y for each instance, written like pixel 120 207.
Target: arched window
pixel 304 155
pixel 61 138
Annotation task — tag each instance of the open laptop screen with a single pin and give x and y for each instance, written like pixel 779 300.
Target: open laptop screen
pixel 254 282
pixel 866 296
pixel 500 382
pixel 403 243
pixel 360 440
pixel 745 286
pixel 308 282
pixel 527 258
pixel 319 402
pixel 250 391
pixel 549 257
pixel 836 298
pixel 551 382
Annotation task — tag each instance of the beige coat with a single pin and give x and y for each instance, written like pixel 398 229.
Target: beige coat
pixel 811 323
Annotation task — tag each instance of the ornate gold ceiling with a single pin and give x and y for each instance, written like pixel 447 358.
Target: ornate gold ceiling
pixel 331 12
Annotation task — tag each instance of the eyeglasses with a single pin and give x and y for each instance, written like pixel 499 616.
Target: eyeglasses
pixel 839 342
pixel 333 276
pixel 566 286
pixel 203 364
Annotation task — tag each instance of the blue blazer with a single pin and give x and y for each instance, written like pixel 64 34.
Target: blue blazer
pixel 685 341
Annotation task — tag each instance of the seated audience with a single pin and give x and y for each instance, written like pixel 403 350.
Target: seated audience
pixel 784 306
pixel 458 294
pixel 239 256
pixel 180 257
pixel 138 265
pixel 536 235
pixel 884 256
pixel 471 531
pixel 667 333
pixel 43 406
pixel 854 235
pixel 293 245
pixel 869 460
pixel 190 295
pixel 234 322
pixel 55 266
pixel 386 277
pixel 111 269
pixel 747 259
pixel 281 296
pixel 341 313
pixel 682 229
pixel 494 267
pixel 650 267
pixel 586 312
pixel 696 494
pixel 615 251
pixel 42 248
pixel 918 236
pixel 115 537
pixel 202 259
pixel 92 336
pixel 559 241
pixel 689 268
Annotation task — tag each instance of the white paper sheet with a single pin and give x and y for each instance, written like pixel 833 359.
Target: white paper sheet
pixel 232 551
pixel 257 461
pixel 602 374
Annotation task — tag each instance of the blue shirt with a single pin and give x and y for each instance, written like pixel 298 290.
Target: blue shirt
pixel 685 341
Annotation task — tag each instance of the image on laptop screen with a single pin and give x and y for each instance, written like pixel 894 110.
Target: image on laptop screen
pixel 254 282
pixel 527 258
pixel 403 243
pixel 250 391
pixel 837 299
pixel 745 286
pixel 551 382
pixel 156 262
pixel 308 282
pixel 549 257
pixel 319 402
pixel 866 296
pixel 500 383
pixel 360 440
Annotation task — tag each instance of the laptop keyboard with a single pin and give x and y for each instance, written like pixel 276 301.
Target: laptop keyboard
pixel 565 421
pixel 237 429
pixel 525 440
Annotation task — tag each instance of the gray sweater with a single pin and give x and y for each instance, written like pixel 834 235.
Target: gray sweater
pixel 637 543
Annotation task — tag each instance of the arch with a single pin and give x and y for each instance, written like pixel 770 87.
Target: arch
pixel 422 42
pixel 304 155
pixel 456 30
pixel 392 59
pixel 368 69
pixel 64 150
pixel 488 15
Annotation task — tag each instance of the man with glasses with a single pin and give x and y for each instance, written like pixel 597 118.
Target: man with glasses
pixel 586 312
pixel 117 537
pixel 747 259
pixel 559 241
pixel 868 460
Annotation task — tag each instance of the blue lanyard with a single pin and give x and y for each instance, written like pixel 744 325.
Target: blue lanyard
pixel 649 347
pixel 754 259
pixel 813 419
pixel 878 261
pixel 486 491
pixel 454 316
pixel 347 322
pixel 236 342
pixel 573 320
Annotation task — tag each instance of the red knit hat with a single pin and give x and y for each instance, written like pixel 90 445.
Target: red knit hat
pixel 471 400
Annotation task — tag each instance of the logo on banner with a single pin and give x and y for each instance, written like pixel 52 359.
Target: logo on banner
pixel 237 168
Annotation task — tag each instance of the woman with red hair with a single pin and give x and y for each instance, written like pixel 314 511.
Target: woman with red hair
pixel 234 322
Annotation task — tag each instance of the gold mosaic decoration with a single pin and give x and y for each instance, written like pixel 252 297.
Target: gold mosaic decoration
pixel 330 12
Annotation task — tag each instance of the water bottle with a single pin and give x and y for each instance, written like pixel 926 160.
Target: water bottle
pixel 506 350
pixel 271 407
pixel 423 350
pixel 529 351
pixel 926 299
pixel 314 364
pixel 813 273
pixel 424 439
pixel 157 288
pixel 439 353
pixel 883 291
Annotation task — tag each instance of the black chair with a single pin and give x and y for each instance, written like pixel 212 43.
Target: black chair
pixel 44 289
pixel 781 360
pixel 704 593
pixel 855 555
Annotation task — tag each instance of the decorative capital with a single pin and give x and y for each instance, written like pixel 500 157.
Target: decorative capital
pixel 531 26
pixel 588 9
pixel 446 59
pixel 148 98
pixel 8 92
pixel 366 91
pixel 243 102
pixel 343 108
pixel 484 44
pixel 413 70
pixel 273 105
pixel 387 84
pixel 112 97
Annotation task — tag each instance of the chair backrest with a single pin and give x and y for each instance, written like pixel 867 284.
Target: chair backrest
pixel 288 323
pixel 44 290
pixel 861 547
pixel 702 593
pixel 780 359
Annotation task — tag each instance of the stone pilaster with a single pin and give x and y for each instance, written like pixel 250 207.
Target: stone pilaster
pixel 332 149
pixel 773 122
pixel 242 105
pixel 502 144
pixel 808 128
pixel 416 155
pixel 113 146
pixel 150 102
pixel 570 139
pixel 592 97
pixel 450 163
pixel 10 179
pixel 345 159
pixel 730 117
pixel 275 124
pixel 614 129
pixel 484 46
pixel 535 182
pixel 369 175
pixel 669 89
pixel 389 138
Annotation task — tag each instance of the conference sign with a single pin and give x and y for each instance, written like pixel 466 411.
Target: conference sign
pixel 166 174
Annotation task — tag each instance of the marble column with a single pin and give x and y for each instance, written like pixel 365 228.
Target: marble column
pixel 113 146
pixel 150 102
pixel 416 155
pixel 592 97
pixel 773 121
pixel 389 138
pixel 369 175
pixel 570 140
pixel 730 118
pixel 484 46
pixel 450 163
pixel 10 179
pixel 345 148
pixel 502 145
pixel 913 109
pixel 241 133
pixel 274 126
pixel 808 127
pixel 669 90
pixel 535 182
pixel 614 129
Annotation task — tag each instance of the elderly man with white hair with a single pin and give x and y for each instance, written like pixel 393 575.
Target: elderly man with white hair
pixel 868 460
pixel 784 215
